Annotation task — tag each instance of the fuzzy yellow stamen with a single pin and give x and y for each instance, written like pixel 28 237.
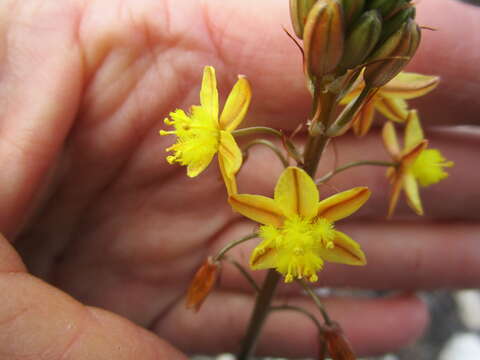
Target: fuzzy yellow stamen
pixel 428 167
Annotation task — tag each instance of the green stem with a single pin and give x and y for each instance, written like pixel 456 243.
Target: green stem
pixel 349 112
pixel 317 301
pixel 290 147
pixel 353 164
pixel 259 314
pixel 231 245
pixel 245 273
pixel 268 144
pixel 302 311
pixel 256 130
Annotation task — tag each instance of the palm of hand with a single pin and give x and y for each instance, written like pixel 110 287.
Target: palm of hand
pixel 109 220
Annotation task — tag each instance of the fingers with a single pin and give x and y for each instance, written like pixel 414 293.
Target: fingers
pixel 39 93
pixel 400 255
pixel 39 321
pixel 372 326
pixel 452 52
pixel 273 63
pixel 449 199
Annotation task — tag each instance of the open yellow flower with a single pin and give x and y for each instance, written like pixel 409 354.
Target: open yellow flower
pixel 416 163
pixel 297 229
pixel 390 99
pixel 202 133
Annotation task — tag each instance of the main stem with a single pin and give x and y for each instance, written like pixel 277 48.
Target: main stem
pixel 259 314
pixel 313 151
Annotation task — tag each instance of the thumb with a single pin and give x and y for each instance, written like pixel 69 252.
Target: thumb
pixel 39 321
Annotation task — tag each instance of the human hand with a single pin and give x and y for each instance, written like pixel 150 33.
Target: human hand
pixel 95 210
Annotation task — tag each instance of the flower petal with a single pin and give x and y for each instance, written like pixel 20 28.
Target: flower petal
pixel 345 251
pixel 409 157
pixel 296 193
pixel 230 153
pixel 410 187
pixel 413 130
pixel 362 121
pixel 236 105
pixel 390 140
pixel 410 85
pixel 209 92
pixel 258 208
pixel 195 168
pixel 229 180
pixel 202 284
pixel 396 188
pixel 394 109
pixel 343 204
pixel 263 257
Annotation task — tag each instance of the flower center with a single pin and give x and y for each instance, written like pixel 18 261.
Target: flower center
pixel 297 244
pixel 428 167
pixel 198 136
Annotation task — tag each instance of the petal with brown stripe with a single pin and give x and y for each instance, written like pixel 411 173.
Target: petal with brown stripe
pixel 345 251
pixel 257 208
pixel 394 109
pixel 296 193
pixel 343 204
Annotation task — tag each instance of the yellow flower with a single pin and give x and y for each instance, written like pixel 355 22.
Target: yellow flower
pixel 390 99
pixel 416 163
pixel 297 229
pixel 201 134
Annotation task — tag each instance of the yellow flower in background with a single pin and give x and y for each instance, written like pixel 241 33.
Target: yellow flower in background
pixel 390 99
pixel 202 133
pixel 416 163
pixel 298 230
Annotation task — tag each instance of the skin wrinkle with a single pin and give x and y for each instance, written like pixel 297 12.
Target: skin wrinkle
pixel 126 171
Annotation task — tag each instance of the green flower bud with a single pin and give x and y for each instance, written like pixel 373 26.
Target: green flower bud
pixel 396 21
pixel 387 8
pixel 362 39
pixel 392 56
pixel 323 38
pixel 299 10
pixel 352 10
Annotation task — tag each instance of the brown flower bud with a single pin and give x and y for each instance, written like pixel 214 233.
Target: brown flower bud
pixel 202 284
pixel 337 344
pixel 323 38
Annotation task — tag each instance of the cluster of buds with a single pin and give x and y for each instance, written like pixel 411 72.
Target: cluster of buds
pixel 346 36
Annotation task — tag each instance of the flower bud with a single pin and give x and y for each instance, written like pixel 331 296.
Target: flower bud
pixel 396 21
pixel 362 39
pixel 352 10
pixel 299 10
pixel 392 56
pixel 338 346
pixel 202 284
pixel 323 38
pixel 387 8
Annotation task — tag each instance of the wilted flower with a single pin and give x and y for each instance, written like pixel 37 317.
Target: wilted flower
pixel 297 229
pixel 202 284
